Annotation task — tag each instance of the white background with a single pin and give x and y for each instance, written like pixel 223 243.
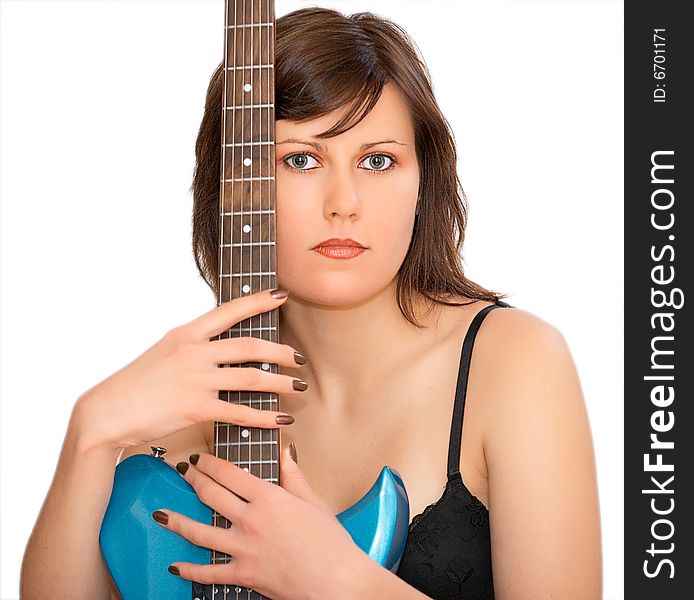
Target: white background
pixel 101 101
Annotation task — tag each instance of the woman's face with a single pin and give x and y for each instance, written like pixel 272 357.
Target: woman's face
pixel 361 184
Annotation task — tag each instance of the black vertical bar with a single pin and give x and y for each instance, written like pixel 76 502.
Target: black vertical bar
pixel 659 511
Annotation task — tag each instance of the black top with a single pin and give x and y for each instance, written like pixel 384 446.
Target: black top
pixel 448 552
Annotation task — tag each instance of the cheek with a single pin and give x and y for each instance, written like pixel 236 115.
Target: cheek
pixel 394 211
pixel 295 212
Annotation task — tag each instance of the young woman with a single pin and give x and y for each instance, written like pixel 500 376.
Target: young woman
pixel 493 444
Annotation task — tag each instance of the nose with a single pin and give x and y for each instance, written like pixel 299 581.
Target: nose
pixel 341 195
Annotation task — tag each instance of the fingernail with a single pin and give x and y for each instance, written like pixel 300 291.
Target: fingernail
pixel 284 419
pixel 160 517
pixel 278 293
pixel 299 385
pixel 193 458
pixel 182 467
pixel 299 358
pixel 174 570
pixel 292 451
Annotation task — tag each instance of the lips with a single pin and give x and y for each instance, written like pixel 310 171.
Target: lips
pixel 340 248
pixel 346 242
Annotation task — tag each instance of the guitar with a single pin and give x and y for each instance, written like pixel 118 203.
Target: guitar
pixel 136 550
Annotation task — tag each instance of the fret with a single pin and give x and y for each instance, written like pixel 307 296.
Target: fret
pixel 250 25
pixel 242 144
pixel 250 11
pixel 248 403
pixel 248 179
pixel 233 444
pixel 237 67
pixel 256 462
pixel 254 328
pixel 248 244
pixel 247 212
pixel 250 106
pixel 247 274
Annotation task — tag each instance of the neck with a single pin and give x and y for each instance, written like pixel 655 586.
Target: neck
pixel 351 348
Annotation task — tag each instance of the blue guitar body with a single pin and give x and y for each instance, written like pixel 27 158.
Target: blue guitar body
pixel 137 550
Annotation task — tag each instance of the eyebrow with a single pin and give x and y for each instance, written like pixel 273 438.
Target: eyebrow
pixel 322 148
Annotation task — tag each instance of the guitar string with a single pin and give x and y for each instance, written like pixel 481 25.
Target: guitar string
pixel 252 207
pixel 274 315
pixel 228 333
pixel 234 183
pixel 244 152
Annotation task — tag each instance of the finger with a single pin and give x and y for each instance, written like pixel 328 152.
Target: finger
pixel 222 317
pixel 251 349
pixel 223 574
pixel 219 495
pixel 252 379
pixel 200 534
pixel 239 414
pixel 294 481
pixel 227 474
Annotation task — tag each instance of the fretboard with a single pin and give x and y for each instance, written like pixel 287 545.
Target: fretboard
pixel 247 257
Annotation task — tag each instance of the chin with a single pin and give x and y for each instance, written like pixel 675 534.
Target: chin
pixel 332 290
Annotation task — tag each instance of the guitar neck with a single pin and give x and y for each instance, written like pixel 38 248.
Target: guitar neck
pixel 247 256
pixel 247 212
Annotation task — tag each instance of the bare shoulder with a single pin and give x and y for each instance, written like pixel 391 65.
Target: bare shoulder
pixel 539 456
pixel 533 370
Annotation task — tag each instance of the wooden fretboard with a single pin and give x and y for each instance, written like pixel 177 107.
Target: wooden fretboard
pixel 247 256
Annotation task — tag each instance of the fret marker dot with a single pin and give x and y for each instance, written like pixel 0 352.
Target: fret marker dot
pixel 246 228
pixel 245 469
pixel 247 87
pixel 246 288
pixel 265 366
pixel 247 162
pixel 244 433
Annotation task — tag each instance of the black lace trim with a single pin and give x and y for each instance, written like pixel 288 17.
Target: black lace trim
pixel 480 514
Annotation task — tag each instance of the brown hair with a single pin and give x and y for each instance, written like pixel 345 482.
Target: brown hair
pixel 325 61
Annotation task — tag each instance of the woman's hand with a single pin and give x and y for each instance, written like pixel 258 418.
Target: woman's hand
pixel 176 383
pixel 284 541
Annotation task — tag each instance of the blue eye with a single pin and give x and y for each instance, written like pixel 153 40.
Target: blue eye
pixel 300 161
pixel 379 162
pixel 303 162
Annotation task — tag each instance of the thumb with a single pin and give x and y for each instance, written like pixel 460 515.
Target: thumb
pixel 294 481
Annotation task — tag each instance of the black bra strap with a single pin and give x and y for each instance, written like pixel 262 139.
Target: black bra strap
pixel 461 389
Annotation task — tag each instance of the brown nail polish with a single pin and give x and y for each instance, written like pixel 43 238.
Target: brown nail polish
pixel 284 419
pixel 299 358
pixel 299 385
pixel 193 458
pixel 279 293
pixel 292 451
pixel 174 570
pixel 182 467
pixel 160 517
